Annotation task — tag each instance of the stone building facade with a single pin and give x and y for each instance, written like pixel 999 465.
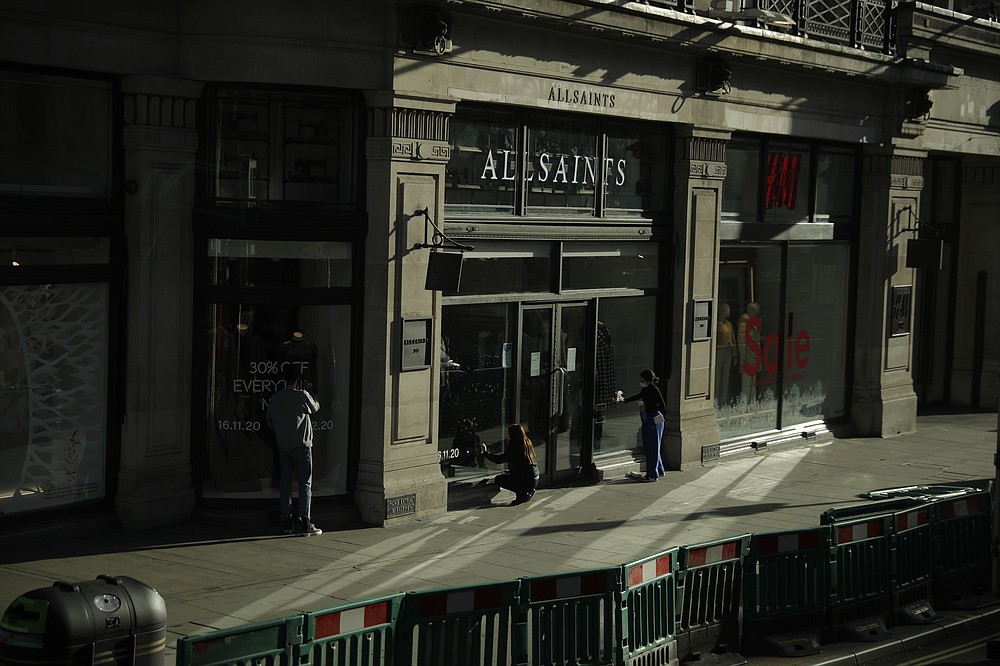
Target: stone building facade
pixel 458 215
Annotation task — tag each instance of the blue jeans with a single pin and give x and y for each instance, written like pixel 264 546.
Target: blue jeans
pixel 297 462
pixel 652 434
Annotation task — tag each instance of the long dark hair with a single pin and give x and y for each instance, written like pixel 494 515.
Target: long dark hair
pixel 517 437
pixel 648 375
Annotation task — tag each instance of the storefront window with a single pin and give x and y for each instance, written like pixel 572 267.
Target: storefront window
pixel 766 349
pixel 786 184
pixel 748 331
pixel 834 187
pixel 275 263
pixel 247 346
pixel 280 146
pixel 53 394
pixel 624 347
pixel 601 265
pixel 55 135
pixel 561 172
pixel 53 251
pixel 524 267
pixel 478 381
pixel 635 173
pixel 481 174
pixel 739 193
pixel 815 341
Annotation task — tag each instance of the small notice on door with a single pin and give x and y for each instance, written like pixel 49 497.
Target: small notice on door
pixel 536 363
pixel 571 359
pixel 508 353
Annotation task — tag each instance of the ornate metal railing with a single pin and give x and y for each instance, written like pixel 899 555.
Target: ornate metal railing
pixel 860 24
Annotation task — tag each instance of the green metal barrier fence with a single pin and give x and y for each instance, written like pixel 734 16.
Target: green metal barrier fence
pixel 649 608
pixel 860 604
pixel 962 531
pixel 846 578
pixel 462 625
pixel 710 582
pixel 912 562
pixel 360 634
pixel 571 617
pixel 785 590
pixel 268 643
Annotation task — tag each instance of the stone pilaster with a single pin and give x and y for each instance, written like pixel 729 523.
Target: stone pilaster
pixel 883 402
pixel 699 172
pixel 399 475
pixel 160 137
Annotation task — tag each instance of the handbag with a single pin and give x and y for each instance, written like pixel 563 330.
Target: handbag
pixel 659 418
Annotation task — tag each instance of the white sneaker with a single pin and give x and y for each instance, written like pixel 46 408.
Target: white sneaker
pixel 308 529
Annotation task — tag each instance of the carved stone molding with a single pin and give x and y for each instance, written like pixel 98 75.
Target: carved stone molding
pixel 401 149
pixel 898 171
pixel 700 148
pixel 150 110
pixel 403 123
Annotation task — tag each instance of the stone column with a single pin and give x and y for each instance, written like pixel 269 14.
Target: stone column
pixel 399 476
pixel 160 137
pixel 699 172
pixel 883 402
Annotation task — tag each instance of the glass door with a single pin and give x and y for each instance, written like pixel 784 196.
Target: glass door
pixel 553 372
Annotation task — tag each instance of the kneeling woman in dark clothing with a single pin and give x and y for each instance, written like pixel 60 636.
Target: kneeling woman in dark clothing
pixel 521 474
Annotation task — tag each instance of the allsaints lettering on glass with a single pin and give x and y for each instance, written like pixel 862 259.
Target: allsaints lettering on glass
pixel 552 168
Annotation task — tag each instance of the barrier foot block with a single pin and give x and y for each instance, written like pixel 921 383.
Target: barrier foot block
pixel 864 631
pixel 917 613
pixel 786 645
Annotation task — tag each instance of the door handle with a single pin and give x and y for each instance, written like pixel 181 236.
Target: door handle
pixel 561 373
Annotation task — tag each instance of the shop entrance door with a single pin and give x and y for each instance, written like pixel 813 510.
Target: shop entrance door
pixel 554 370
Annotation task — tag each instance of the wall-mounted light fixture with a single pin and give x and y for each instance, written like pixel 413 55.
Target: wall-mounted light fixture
pixel 713 76
pixel 917 104
pixel 433 31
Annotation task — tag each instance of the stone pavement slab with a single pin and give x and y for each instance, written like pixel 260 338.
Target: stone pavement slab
pixel 218 576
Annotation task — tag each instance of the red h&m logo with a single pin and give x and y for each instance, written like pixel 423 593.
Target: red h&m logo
pixel 782 180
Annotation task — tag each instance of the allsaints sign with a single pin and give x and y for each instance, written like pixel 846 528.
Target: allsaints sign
pixel 501 164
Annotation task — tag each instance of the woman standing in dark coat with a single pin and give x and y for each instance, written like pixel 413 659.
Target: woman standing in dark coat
pixel 652 417
pixel 521 474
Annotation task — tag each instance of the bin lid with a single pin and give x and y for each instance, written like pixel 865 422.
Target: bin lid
pixel 70 614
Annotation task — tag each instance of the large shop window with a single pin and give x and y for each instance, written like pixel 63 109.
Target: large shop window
pixel 274 146
pixel 54 135
pixel 781 335
pixel 770 182
pixel 547 166
pixel 250 341
pixel 53 391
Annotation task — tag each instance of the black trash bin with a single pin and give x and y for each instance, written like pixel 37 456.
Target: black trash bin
pixel 110 620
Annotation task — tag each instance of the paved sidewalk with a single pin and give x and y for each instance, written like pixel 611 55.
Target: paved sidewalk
pixel 214 576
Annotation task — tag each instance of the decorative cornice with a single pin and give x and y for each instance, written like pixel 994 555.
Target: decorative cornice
pixel 159 138
pixel 701 157
pixel 403 123
pixel 901 172
pixel 164 111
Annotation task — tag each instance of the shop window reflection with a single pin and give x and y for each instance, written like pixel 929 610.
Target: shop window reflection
pixel 247 347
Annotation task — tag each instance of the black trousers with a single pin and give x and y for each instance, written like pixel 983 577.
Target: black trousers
pixel 519 484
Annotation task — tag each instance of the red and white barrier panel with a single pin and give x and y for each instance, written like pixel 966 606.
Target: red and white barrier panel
pixel 772 544
pixel 860 531
pixel 912 519
pixel 585 585
pixel 462 601
pixel 352 620
pixel 649 571
pixel 961 507
pixel 699 557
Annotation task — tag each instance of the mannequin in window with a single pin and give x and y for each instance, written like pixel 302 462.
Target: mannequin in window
pixel 298 349
pixel 725 354
pixel 746 334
